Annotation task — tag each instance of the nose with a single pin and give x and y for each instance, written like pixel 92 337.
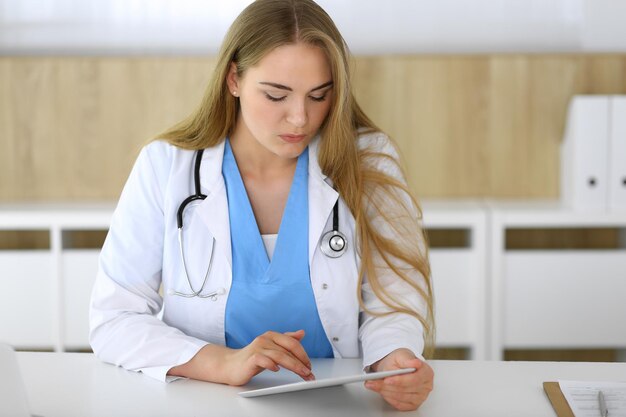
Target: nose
pixel 297 115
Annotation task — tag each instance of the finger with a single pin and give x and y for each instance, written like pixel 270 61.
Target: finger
pixel 264 362
pixel 423 375
pixel 287 361
pixel 293 345
pixel 381 387
pixel 414 386
pixel 406 384
pixel 376 385
pixel 402 406
pixel 284 343
pixel 395 382
pixel 373 386
pixel 401 396
pixel 417 392
pixel 403 381
pixel 298 334
pixel 410 363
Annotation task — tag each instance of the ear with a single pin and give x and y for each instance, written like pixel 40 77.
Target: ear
pixel 232 80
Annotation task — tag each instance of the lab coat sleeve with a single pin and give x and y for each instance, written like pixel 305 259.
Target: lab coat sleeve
pixel 380 335
pixel 124 327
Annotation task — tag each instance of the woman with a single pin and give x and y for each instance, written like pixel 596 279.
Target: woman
pixel 300 239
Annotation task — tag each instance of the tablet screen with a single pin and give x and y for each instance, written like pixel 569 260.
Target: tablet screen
pixel 321 383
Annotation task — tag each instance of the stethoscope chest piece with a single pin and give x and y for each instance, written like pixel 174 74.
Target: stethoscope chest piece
pixel 333 244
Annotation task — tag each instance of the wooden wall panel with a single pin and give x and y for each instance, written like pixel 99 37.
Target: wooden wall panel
pixel 468 126
pixel 482 126
pixel 435 109
pixel 72 127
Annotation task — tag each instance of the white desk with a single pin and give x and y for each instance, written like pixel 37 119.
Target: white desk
pixel 76 384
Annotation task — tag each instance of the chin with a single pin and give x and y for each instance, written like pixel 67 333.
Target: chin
pixel 292 150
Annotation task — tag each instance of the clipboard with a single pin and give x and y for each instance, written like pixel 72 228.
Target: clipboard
pixel 559 403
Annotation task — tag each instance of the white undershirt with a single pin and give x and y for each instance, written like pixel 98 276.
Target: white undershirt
pixel 270 243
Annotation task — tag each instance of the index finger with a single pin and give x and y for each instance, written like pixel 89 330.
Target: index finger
pixel 293 346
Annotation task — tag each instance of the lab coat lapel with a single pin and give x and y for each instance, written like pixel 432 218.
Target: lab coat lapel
pixel 322 198
pixel 214 209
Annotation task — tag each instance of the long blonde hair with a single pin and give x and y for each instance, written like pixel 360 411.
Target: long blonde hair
pixel 265 25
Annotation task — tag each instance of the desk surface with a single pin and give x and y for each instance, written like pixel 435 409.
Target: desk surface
pixel 77 384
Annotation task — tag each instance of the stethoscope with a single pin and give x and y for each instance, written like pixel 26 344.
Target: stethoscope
pixel 333 244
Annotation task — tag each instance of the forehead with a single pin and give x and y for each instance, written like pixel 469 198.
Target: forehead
pixel 297 65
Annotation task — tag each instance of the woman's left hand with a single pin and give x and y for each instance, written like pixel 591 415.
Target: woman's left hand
pixel 404 392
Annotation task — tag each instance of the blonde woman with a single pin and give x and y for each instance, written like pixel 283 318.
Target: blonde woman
pixel 272 226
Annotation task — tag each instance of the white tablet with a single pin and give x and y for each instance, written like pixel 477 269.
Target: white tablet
pixel 321 383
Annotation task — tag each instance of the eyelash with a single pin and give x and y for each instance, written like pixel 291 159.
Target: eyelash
pixel 276 99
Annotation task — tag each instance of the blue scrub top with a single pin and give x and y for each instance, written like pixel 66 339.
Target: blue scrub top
pixel 274 295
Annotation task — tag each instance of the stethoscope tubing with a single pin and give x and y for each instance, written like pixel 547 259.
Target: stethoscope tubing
pixel 326 246
pixel 194 293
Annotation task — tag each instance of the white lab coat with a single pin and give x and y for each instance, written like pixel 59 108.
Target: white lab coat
pixel 138 327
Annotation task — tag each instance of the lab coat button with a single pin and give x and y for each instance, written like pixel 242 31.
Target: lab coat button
pixel 335 339
pixel 324 286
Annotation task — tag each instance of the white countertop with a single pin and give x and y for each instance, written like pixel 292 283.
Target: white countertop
pixel 75 384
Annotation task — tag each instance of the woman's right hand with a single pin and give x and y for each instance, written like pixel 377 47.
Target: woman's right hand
pixel 271 350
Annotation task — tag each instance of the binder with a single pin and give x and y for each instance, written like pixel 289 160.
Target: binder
pixel 559 403
pixel 617 155
pixel 584 151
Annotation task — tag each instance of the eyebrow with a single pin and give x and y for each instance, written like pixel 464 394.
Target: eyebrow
pixel 284 87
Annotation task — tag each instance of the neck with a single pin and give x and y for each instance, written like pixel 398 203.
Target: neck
pixel 255 159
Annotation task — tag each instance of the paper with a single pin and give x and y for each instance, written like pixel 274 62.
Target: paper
pixel 582 397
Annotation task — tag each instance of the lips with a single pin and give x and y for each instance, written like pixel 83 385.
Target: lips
pixel 292 138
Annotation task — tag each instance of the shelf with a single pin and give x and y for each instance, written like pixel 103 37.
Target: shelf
pixel 556 277
pixel 457 232
pixel 547 213
pixel 506 275
pixel 50 255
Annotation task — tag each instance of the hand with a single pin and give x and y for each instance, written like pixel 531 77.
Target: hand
pixel 404 392
pixel 271 351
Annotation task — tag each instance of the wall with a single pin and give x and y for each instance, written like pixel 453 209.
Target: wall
pixel 55 27
pixel 468 126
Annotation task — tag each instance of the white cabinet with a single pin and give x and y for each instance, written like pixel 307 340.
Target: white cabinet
pixel 568 299
pixel 45 293
pixel 558 297
pixel 48 290
pixel 26 299
pixel 79 268
pixel 459 275
pixel 488 297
